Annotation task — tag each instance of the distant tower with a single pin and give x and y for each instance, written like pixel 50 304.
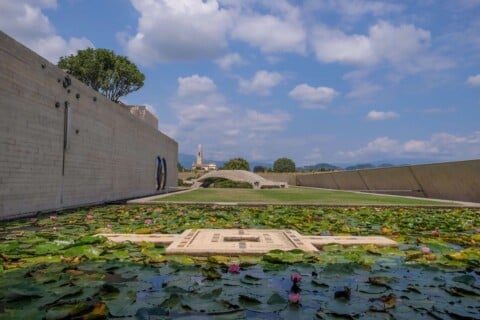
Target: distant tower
pixel 199 155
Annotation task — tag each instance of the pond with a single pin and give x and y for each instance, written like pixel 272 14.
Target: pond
pixel 54 267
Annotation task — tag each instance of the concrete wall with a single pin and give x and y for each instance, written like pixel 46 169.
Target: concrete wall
pixel 450 180
pixel 289 178
pixel 145 115
pixel 51 158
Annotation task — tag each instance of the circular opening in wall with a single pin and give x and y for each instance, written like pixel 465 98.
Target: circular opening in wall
pixel 164 165
pixel 160 174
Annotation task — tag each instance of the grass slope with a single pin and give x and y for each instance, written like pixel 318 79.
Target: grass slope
pixel 293 195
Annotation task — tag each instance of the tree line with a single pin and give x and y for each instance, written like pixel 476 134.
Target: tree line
pixel 280 165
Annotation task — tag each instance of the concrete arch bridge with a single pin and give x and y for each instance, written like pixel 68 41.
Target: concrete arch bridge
pixel 255 180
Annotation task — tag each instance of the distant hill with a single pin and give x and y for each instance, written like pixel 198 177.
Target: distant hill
pixel 319 167
pixel 186 160
pixel 360 166
pixel 369 166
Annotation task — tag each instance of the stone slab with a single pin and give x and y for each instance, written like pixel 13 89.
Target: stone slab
pixel 162 239
pixel 235 242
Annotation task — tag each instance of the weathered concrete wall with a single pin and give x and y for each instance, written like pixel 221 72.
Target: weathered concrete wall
pixel 318 179
pixel 349 180
pixel 142 113
pixel 289 178
pixel 396 180
pixel 64 145
pixel 450 180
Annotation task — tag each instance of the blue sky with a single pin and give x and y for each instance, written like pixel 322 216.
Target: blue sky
pixel 339 81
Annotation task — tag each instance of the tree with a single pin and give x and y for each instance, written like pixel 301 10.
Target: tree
pixel 236 164
pixel 102 70
pixel 284 165
pixel 180 168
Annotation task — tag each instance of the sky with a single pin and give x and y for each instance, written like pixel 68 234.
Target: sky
pixel 336 81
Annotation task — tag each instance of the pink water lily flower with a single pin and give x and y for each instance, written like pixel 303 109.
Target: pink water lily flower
pixel 294 298
pixel 435 232
pixel 234 268
pixel 478 230
pixel 425 250
pixel 53 218
pixel 148 221
pixel 89 217
pixel 295 277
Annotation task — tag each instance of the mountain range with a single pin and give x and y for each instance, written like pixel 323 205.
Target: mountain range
pixel 186 160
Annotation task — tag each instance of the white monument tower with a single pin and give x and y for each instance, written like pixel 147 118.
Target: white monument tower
pixel 199 155
pixel 199 165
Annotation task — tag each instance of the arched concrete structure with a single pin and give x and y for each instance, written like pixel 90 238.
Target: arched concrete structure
pixel 241 176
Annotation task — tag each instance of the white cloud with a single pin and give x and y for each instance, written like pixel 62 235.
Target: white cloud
pixel 382 145
pixel 223 128
pixel 261 83
pixel 230 60
pixel 474 80
pixel 195 84
pixel 270 33
pixel 381 115
pixel 419 146
pixel 312 97
pixel 25 21
pixel 53 47
pixel 406 47
pixel 189 115
pixel 443 146
pixel 173 30
pixel 335 46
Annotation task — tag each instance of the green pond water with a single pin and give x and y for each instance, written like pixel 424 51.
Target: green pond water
pixel 54 267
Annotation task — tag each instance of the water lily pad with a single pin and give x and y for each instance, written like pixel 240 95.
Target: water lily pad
pixel 88 251
pixel 286 257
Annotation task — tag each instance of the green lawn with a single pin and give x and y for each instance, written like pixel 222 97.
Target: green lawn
pixel 292 195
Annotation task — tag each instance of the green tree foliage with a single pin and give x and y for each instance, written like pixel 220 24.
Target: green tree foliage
pixel 225 183
pixel 236 164
pixel 102 70
pixel 284 165
pixel 180 168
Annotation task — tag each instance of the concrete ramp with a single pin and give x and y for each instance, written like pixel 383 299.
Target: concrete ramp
pixel 255 180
